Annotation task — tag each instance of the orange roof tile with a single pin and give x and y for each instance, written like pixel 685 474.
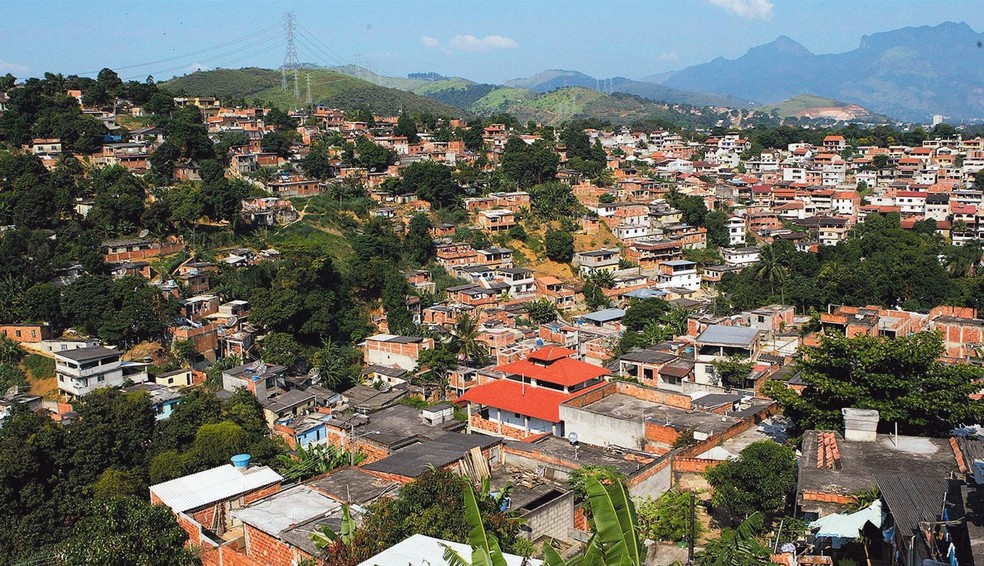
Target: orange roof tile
pixel 565 371
pixel 514 397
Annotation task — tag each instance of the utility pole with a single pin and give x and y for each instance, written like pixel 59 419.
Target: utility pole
pixel 290 57
pixel 310 101
pixel 690 531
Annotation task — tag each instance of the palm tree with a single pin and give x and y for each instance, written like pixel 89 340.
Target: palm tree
pixel 654 332
pixel 676 319
pixel 315 460
pixel 469 347
pixel 615 542
pixel 332 365
pixel 771 267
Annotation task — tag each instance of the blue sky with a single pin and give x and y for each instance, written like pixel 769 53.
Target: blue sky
pixel 489 41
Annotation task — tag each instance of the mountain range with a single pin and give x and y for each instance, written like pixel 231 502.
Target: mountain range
pixel 910 73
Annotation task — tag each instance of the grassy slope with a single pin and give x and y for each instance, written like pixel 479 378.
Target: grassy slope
pixel 802 102
pixel 327 87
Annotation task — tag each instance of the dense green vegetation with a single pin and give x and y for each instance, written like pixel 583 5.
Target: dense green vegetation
pixel 901 378
pixel 432 505
pixel 329 88
pixel 881 264
pixel 54 480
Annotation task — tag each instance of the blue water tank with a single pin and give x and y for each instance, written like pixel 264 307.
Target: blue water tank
pixel 240 461
pixel 539 342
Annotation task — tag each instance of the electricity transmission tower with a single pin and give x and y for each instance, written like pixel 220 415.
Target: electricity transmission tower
pixel 310 101
pixel 290 58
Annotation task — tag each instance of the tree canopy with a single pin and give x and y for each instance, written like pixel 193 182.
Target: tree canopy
pixel 902 378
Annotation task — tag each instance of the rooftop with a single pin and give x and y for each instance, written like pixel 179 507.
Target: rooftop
pixel 211 486
pixel 512 396
pixel 417 459
pixel 420 549
pixel 88 354
pixel 860 463
pixel 287 508
pixel 563 371
pixel 718 335
pixel 353 485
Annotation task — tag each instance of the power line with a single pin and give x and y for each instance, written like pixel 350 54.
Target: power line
pixel 191 54
pixel 249 48
pixel 290 58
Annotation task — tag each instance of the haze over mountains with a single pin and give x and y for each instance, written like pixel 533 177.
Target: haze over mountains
pixel 910 73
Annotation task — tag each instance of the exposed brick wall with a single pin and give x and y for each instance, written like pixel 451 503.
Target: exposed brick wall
pixel 27 333
pixel 263 549
pixel 661 433
pixel 827 497
pixel 693 465
pixel 260 493
pixel 477 422
pixel 678 400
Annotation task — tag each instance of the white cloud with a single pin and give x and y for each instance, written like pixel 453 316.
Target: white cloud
pixel 472 43
pixel 429 41
pixel 668 56
pixel 8 67
pixel 748 9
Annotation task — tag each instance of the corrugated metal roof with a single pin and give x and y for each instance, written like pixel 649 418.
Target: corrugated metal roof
pixel 728 335
pixel 218 484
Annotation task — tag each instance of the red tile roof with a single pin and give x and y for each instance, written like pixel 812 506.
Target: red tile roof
pixel 511 396
pixel 551 353
pixel 564 371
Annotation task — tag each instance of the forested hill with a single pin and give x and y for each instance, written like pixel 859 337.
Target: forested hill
pixel 330 88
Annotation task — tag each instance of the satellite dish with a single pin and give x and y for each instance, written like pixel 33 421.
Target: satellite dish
pixel 572 438
pixel 144 232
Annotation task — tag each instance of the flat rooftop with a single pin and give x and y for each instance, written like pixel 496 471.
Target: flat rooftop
pixel 862 462
pixel 416 459
pixel 353 485
pixel 628 408
pixel 397 426
pixel 286 509
pixel 529 490
pixel 587 454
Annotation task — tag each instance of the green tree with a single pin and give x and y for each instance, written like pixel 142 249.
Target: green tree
pixel 737 547
pixel 418 244
pixel 406 126
pixel 315 460
pixel 276 142
pixel 668 517
pixel 733 371
pixel 641 311
pixel 594 289
pixel 529 165
pixel 760 480
pixel 902 378
pixel 335 365
pixel 541 311
pixel 125 531
pixel 554 201
pixel 771 268
pixel 466 341
pixel 559 246
pixel 432 182
pixel 282 349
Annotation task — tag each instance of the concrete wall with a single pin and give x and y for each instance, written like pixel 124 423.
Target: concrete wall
pixel 603 430
pixel 554 520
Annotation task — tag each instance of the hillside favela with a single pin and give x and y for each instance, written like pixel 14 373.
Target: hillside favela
pixel 436 283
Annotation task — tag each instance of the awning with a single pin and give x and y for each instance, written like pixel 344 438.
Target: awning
pixel 848 526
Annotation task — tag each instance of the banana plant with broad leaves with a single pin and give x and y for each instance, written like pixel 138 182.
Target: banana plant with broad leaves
pixel 615 543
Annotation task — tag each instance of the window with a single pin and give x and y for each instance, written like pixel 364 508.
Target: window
pixel 101 378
